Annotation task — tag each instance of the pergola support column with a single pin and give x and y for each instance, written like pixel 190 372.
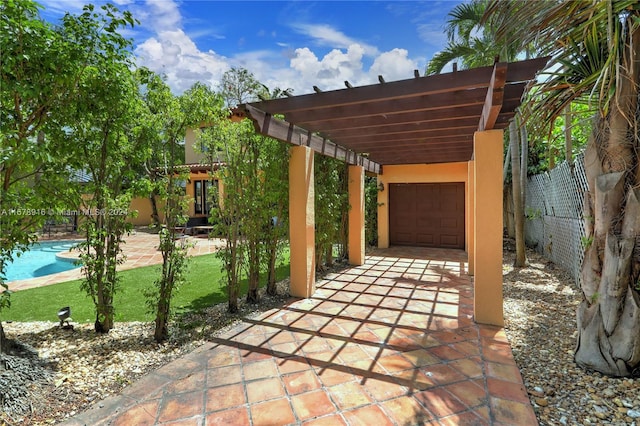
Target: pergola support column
pixel 356 215
pixel 302 222
pixel 471 208
pixel 488 227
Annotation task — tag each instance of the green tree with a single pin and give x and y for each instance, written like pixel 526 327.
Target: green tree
pixel 371 210
pixel 331 208
pixel 42 68
pixel 169 117
pixel 274 167
pixel 103 131
pixel 239 86
pixel 253 209
pixel 225 136
pixel 470 40
pixel 595 48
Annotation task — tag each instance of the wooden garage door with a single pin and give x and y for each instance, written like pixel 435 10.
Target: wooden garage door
pixel 427 214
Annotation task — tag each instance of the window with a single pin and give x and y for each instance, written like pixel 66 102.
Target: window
pixel 203 193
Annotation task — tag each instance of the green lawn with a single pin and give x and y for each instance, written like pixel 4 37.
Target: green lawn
pixel 203 289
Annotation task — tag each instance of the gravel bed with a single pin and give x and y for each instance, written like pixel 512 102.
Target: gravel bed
pixel 79 367
pixel 540 303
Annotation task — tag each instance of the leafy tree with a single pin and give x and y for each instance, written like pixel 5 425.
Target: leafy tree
pixel 253 210
pixel 170 116
pixel 275 190
pixel 41 71
pixel 595 48
pixel 102 129
pixel 239 86
pixel 225 135
pixel 371 210
pixel 469 40
pixel 549 143
pixel 331 208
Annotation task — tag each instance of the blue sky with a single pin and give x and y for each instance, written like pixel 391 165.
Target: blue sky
pixel 284 44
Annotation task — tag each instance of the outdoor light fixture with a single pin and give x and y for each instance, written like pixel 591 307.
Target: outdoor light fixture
pixel 381 187
pixel 63 316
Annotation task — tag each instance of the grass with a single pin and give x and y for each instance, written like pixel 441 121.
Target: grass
pixel 203 288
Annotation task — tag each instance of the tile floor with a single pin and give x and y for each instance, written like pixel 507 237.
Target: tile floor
pixel 388 343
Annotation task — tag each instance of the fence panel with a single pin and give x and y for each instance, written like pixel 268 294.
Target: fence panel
pixel 554 225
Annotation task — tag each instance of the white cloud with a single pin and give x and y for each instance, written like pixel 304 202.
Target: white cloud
pixel 159 15
pixel 326 35
pixel 166 46
pixel 331 71
pixel 171 51
pixel 393 65
pixel 174 54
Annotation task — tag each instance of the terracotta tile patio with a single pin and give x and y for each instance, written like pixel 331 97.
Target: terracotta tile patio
pixel 389 343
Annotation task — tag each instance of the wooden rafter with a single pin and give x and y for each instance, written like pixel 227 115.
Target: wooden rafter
pixel 287 132
pixel 495 96
pixel 418 120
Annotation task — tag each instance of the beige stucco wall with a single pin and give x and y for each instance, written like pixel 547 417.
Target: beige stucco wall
pixel 414 173
pixel 191 156
pixel 142 206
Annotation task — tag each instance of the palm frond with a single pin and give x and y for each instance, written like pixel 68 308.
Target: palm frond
pixel 464 18
pixel 585 39
pixel 450 53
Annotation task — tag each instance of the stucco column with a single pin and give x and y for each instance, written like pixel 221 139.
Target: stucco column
pixel 488 227
pixel 471 208
pixel 383 213
pixel 302 222
pixel 356 215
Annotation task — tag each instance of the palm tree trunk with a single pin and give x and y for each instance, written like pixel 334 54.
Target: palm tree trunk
pixel 518 208
pixel 609 314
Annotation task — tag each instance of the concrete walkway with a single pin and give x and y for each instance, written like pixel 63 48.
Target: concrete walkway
pixel 389 343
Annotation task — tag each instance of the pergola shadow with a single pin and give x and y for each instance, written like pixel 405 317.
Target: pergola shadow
pixel 396 333
pixel 391 342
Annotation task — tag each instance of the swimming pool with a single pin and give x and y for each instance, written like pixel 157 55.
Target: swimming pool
pixel 41 260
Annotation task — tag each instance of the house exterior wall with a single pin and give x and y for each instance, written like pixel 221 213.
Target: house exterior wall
pixel 191 156
pixel 142 205
pixel 414 173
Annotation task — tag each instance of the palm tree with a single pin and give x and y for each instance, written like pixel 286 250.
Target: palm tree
pixel 595 49
pixel 472 40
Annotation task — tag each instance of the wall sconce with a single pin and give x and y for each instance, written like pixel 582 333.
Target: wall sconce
pixel 381 187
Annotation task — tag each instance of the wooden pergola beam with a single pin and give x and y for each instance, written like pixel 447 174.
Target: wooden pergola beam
pixel 495 96
pixel 439 83
pixel 287 132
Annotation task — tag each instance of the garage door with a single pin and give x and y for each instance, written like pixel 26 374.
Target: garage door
pixel 427 214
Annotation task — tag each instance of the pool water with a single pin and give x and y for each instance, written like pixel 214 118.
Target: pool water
pixel 40 260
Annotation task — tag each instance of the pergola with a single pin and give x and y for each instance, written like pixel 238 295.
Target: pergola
pixel 415 127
